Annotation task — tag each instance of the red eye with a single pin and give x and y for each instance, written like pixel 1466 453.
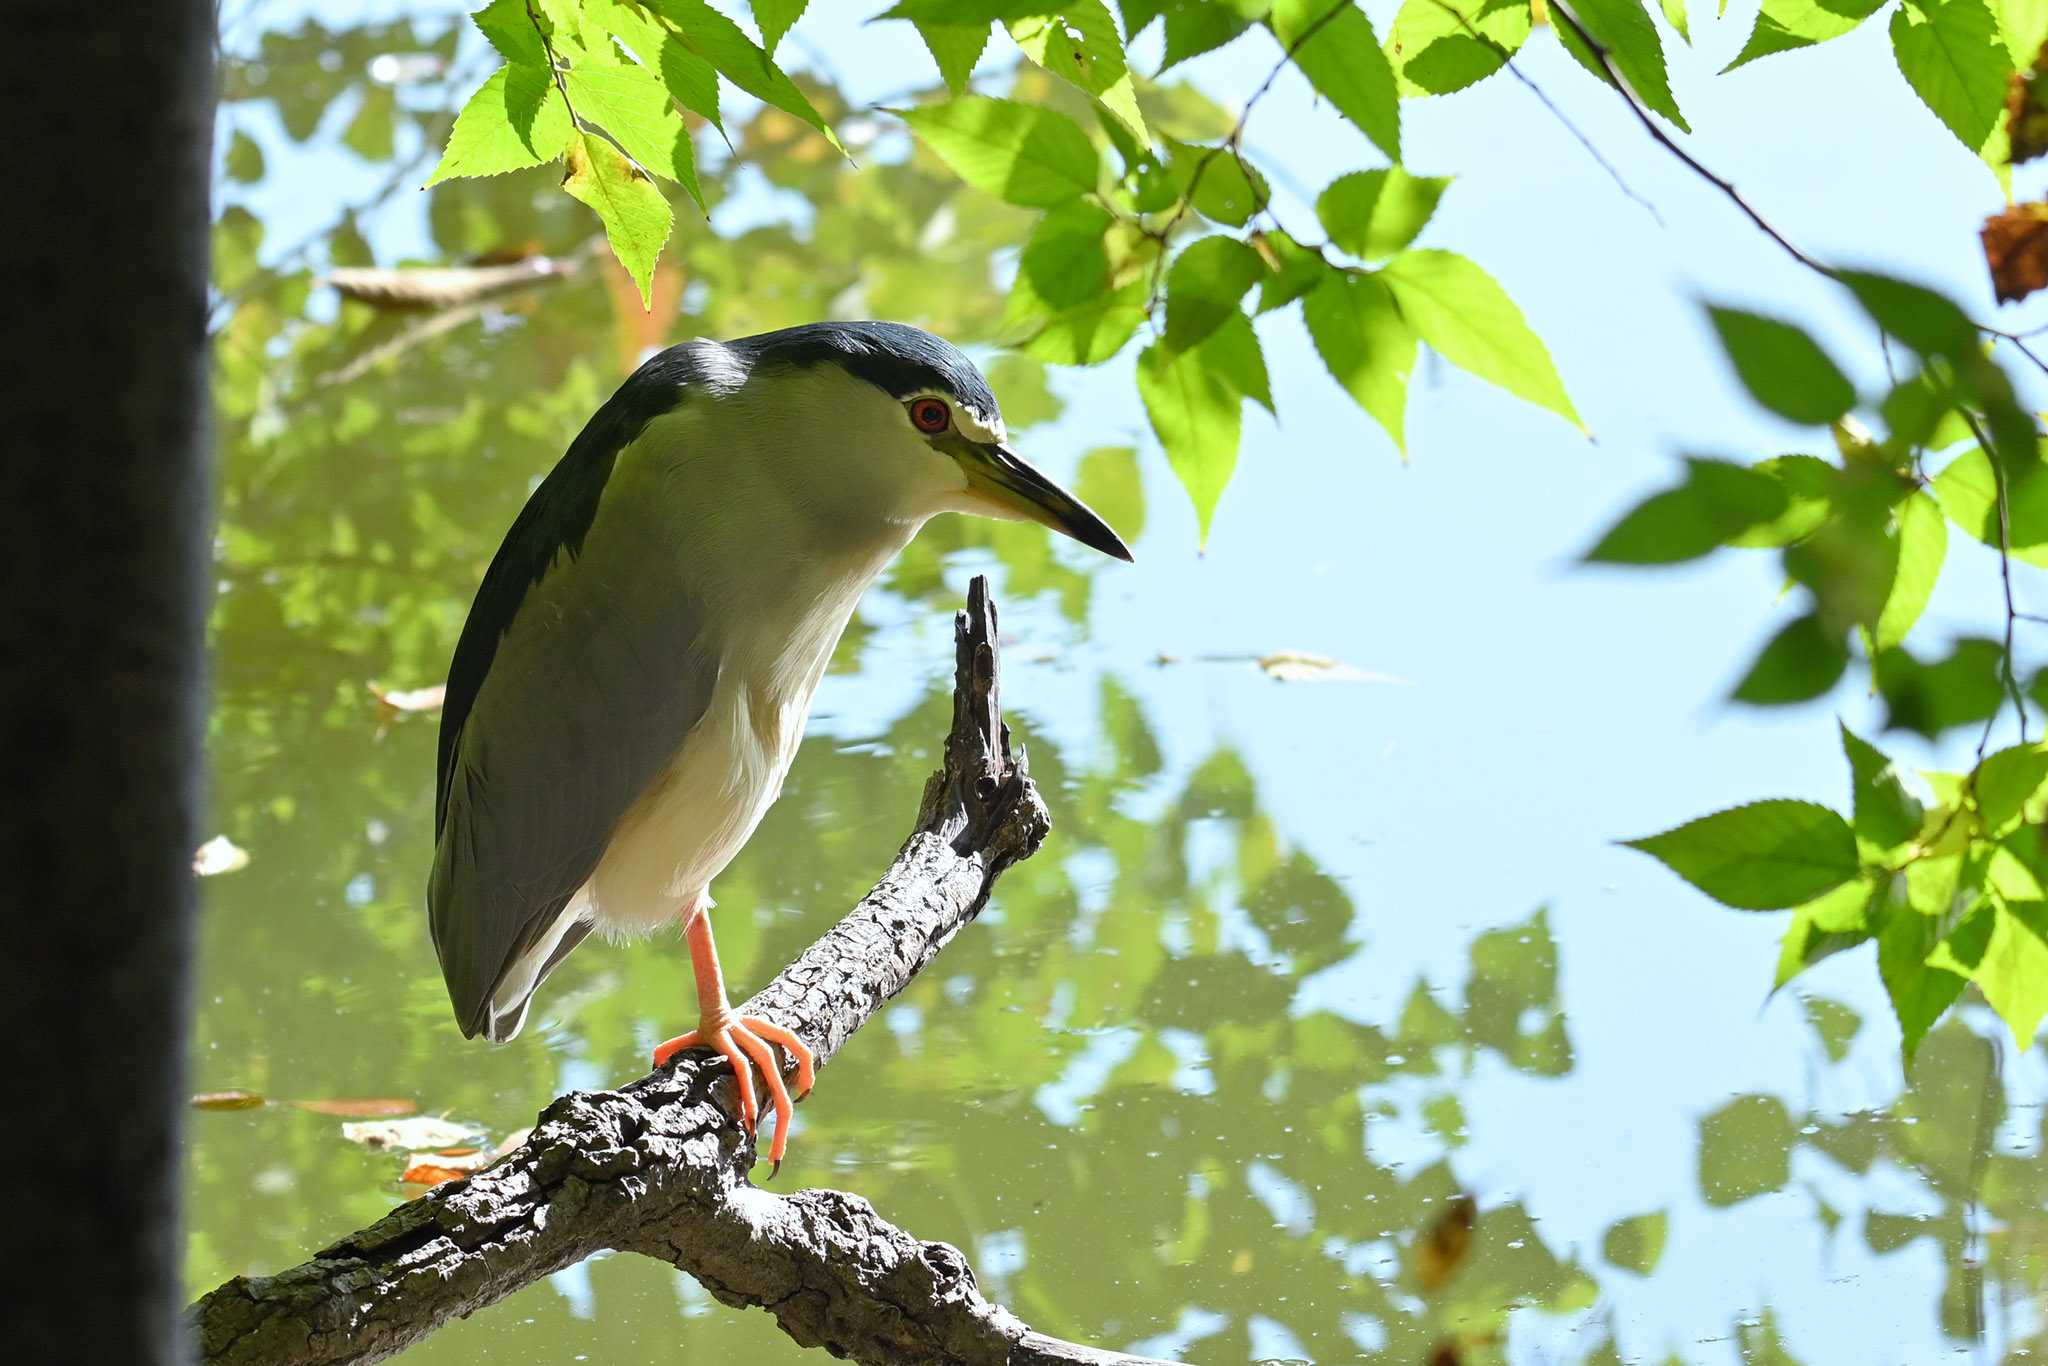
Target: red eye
pixel 929 415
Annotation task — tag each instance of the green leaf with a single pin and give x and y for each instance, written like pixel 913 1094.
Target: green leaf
pixel 1086 334
pixel 1333 44
pixel 1295 270
pixel 1829 924
pixel 2010 785
pixel 1717 503
pixel 2024 26
pixel 1674 15
pixel 1623 27
pixel 1205 285
pixel 2003 948
pixel 957 48
pixel 1745 1150
pixel 1636 1245
pixel 1950 53
pixel 1374 214
pixel 1916 315
pixel 1783 368
pixel 244 161
pixel 1765 856
pixel 1066 259
pixel 1960 689
pixel 1197 418
pixel 775 17
pixel 630 103
pixel 1887 816
pixel 1921 414
pixel 1809 484
pixel 1438 46
pixel 1803 661
pixel 1026 154
pixel 1471 322
pixel 721 42
pixel 635 216
pixel 1081 46
pixel 1788 24
pixel 692 82
pixel 1968 491
pixel 1221 187
pixel 1194 27
pixel 1235 357
pixel 510 30
pixel 1923 544
pixel 1366 344
pixel 516 119
pixel 1920 993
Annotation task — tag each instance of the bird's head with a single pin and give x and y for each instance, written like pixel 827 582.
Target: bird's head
pixel 913 421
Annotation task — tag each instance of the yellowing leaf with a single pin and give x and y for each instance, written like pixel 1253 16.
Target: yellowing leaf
pixel 226 1100
pixel 635 216
pixel 1298 666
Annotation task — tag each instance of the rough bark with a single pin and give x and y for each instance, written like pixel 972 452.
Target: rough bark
pixel 103 526
pixel 660 1166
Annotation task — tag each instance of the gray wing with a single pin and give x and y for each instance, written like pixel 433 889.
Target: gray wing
pixel 580 670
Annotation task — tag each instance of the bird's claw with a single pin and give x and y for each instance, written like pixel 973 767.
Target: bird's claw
pixel 744 1039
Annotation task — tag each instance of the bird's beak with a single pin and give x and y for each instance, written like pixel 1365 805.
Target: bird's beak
pixel 1000 478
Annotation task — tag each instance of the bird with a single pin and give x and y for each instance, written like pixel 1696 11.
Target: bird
pixel 633 678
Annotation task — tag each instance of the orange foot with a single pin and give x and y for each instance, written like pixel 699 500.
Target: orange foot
pixel 749 1035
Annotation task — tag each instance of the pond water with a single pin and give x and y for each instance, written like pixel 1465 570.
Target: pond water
pixel 1303 963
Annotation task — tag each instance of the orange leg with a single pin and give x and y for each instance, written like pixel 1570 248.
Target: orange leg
pixel 739 1039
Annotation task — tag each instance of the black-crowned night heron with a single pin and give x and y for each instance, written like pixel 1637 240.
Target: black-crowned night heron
pixel 635 674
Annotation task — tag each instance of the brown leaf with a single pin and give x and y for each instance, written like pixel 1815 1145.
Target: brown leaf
pixel 2016 248
pixel 2026 110
pixel 1297 666
pixel 377 1107
pixel 226 1100
pixel 410 699
pixel 1444 1246
pixel 433 1171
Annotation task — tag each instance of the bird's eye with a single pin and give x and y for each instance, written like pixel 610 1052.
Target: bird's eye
pixel 929 415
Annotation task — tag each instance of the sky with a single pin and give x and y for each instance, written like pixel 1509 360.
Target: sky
pixel 1544 709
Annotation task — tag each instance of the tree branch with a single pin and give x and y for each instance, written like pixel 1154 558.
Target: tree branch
pixel 660 1166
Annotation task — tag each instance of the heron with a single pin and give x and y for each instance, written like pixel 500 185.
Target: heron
pixel 635 674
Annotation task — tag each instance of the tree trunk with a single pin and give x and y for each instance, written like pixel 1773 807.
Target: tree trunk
pixel 103 517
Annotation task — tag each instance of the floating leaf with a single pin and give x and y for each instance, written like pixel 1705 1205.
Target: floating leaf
pixel 415 1133
pixel 380 1107
pixel 1764 856
pixel 1444 1244
pixel 1297 666
pixel 227 1100
pixel 219 855
pixel 410 699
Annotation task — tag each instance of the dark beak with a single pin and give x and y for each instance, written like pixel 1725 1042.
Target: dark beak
pixel 1002 478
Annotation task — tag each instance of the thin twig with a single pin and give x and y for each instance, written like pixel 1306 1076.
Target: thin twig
pixel 2005 669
